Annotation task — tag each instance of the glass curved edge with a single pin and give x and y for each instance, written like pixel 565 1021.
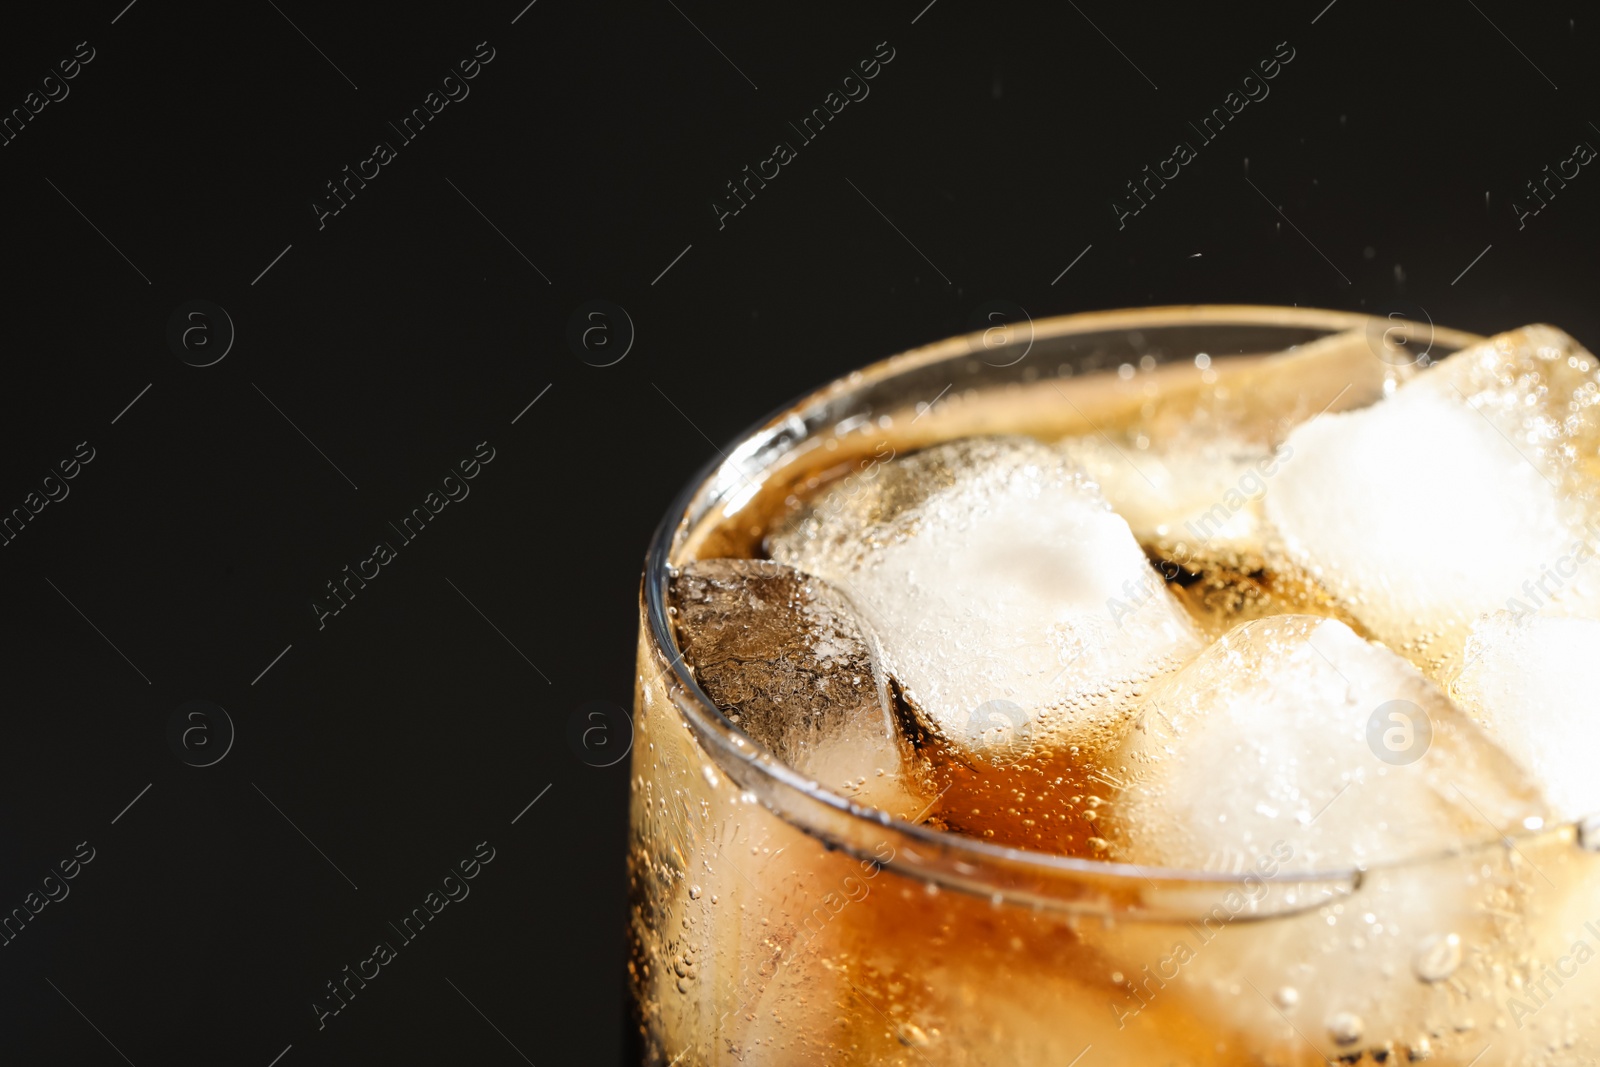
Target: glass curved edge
pixel 964 864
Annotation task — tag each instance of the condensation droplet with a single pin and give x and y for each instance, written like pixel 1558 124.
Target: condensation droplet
pixel 1437 957
pixel 1287 997
pixel 1346 1028
pixel 913 1035
pixel 694 892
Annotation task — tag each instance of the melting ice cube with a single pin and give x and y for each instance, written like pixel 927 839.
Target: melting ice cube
pixel 1192 466
pixel 1457 496
pixel 1293 731
pixel 1258 402
pixel 787 658
pixel 1015 609
pixel 1292 745
pixel 1528 680
pixel 1191 491
pixel 1541 389
pixel 1190 469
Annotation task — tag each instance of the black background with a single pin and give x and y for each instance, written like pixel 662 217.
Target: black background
pixel 428 713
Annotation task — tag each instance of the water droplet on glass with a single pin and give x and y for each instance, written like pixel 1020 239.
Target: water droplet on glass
pixel 694 892
pixel 1287 997
pixel 1589 833
pixel 1437 957
pixel 1345 1028
pixel 913 1035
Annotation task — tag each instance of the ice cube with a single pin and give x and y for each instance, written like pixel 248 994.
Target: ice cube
pixel 785 656
pixel 1528 681
pixel 1196 509
pixel 1424 960
pixel 1190 468
pixel 1294 730
pixel 1193 462
pixel 1259 401
pixel 1195 490
pixel 1016 610
pixel 1541 389
pixel 1455 497
pixel 1293 745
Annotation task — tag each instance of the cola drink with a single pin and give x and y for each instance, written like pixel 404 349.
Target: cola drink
pixel 1204 686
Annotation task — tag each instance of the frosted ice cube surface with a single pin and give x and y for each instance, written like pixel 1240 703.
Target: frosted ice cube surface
pixel 1451 498
pixel 1529 680
pixel 997 577
pixel 1295 730
pixel 785 656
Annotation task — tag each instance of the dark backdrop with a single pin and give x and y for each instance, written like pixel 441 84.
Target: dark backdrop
pixel 375 348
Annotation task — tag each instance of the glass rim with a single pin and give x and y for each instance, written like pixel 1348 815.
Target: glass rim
pixel 942 857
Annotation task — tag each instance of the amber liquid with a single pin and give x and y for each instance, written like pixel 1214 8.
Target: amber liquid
pixel 753 943
pixel 1050 800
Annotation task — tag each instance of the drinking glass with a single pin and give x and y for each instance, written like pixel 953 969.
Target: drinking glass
pixel 773 923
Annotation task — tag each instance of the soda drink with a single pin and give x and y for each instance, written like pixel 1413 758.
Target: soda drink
pixel 1178 686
